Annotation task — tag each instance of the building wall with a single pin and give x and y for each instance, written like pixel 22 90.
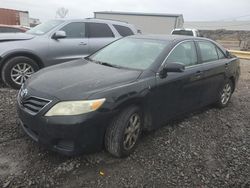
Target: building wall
pixel 147 24
pixel 9 17
pixel 24 19
pixel 180 22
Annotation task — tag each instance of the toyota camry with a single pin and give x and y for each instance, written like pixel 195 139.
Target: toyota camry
pixel 134 84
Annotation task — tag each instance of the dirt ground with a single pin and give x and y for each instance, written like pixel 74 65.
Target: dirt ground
pixel 208 148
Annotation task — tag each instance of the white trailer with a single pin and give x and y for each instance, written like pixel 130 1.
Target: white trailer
pixel 147 23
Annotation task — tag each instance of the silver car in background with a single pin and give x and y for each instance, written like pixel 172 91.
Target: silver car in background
pixel 54 42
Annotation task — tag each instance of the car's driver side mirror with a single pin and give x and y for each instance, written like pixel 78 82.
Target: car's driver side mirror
pixel 59 35
pixel 171 67
pixel 229 55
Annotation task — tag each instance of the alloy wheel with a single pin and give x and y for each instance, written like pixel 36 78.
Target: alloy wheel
pixel 21 72
pixel 226 94
pixel 132 131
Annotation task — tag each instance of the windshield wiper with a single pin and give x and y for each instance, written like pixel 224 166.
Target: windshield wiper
pixel 88 58
pixel 110 65
pixel 103 63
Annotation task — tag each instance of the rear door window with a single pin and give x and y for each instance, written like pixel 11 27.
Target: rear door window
pixel 185 53
pixel 99 30
pixel 74 30
pixel 123 30
pixel 208 51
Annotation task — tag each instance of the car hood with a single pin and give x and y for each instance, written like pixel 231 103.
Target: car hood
pixel 15 36
pixel 78 79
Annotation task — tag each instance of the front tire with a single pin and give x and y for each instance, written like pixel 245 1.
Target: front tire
pixel 225 94
pixel 124 131
pixel 17 70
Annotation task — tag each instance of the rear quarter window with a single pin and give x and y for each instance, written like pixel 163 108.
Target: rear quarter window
pixel 123 30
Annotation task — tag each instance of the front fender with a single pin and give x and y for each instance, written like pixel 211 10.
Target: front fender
pixel 33 47
pixel 135 93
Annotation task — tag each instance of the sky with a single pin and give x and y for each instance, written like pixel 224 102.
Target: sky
pixel 192 10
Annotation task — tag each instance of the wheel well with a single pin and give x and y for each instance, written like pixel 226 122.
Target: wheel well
pixel 138 102
pixel 25 54
pixel 233 82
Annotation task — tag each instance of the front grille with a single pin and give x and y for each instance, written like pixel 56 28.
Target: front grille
pixel 34 104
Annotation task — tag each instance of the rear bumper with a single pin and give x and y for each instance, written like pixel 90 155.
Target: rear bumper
pixel 67 135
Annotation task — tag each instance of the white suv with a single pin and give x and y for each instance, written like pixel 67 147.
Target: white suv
pixel 188 32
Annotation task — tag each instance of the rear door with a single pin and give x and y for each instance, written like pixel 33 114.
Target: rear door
pixel 99 34
pixel 214 65
pixel 179 92
pixel 74 46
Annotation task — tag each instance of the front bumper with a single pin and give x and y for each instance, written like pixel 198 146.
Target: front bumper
pixel 68 135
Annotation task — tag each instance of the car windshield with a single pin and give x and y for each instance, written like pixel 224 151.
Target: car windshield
pixel 44 27
pixel 182 32
pixel 130 53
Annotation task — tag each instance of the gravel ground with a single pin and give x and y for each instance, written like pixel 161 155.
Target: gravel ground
pixel 208 148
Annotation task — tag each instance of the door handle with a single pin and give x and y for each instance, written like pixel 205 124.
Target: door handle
pixel 82 43
pixel 226 65
pixel 198 74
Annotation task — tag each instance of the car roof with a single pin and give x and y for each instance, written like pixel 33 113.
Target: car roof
pixel 99 21
pixel 175 39
pixel 185 29
pixel 165 37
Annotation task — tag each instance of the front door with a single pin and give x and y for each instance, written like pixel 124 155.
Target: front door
pixel 179 92
pixel 74 46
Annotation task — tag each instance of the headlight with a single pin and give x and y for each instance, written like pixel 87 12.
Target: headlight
pixel 68 108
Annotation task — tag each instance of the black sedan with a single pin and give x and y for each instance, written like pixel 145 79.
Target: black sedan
pixel 134 84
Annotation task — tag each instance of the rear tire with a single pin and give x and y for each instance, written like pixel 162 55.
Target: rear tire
pixel 225 94
pixel 17 70
pixel 124 131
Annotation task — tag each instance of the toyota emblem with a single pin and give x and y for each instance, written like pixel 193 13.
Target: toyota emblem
pixel 23 93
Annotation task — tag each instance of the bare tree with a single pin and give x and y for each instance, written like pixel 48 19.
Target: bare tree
pixel 62 12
